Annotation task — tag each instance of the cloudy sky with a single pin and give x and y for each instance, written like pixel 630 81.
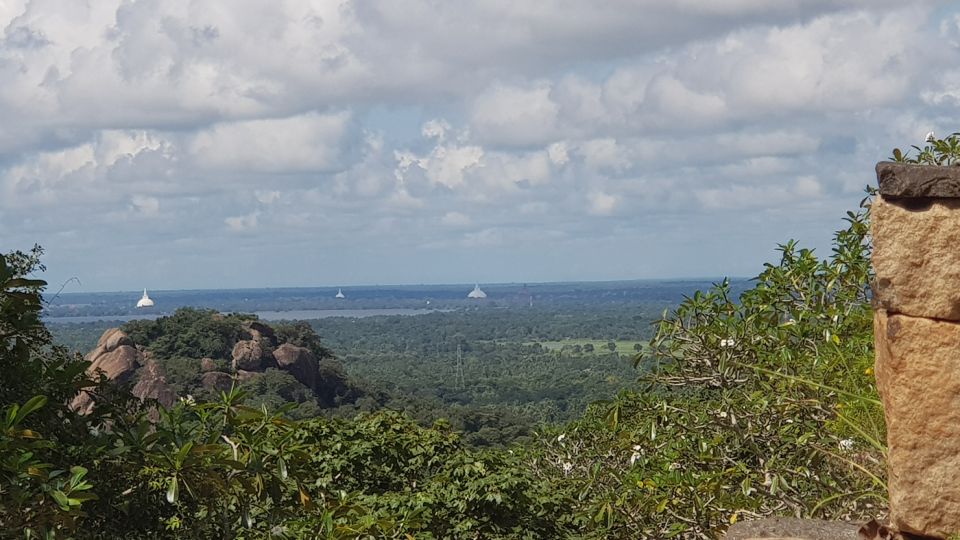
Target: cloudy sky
pixel 194 143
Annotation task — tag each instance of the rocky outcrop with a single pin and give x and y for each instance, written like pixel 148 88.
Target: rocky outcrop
pixel 114 358
pixel 256 353
pixel 207 364
pixel 152 384
pixel 299 362
pixel 247 355
pixel 261 332
pixel 113 338
pixel 216 380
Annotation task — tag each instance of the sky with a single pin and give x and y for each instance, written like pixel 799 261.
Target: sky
pixel 175 144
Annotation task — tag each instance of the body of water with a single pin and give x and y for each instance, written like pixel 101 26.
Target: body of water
pixel 293 315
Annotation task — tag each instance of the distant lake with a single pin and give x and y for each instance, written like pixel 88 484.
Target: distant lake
pixel 298 314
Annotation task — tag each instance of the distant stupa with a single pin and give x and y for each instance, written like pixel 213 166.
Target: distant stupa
pixel 477 293
pixel 145 301
pixel 340 294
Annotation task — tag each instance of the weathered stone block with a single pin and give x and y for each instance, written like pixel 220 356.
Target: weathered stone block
pixel 917 181
pixel 918 376
pixel 916 257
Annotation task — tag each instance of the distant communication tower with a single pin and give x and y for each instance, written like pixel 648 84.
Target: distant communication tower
pixel 460 380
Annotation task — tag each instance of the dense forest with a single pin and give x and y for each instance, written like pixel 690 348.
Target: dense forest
pixel 522 367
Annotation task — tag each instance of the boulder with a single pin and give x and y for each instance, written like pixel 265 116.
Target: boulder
pixel 115 358
pixel 247 355
pixel 113 338
pixel 261 332
pixel 207 364
pixel 118 364
pixel 152 384
pixel 216 380
pixel 915 257
pixel 246 376
pixel 918 378
pixel 299 362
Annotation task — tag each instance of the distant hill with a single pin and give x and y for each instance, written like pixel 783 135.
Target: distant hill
pixel 200 353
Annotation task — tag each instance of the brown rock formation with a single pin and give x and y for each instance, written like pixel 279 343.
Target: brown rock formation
pixel 246 376
pixel 115 358
pixel 113 338
pixel 299 362
pixel 216 380
pixel 916 258
pixel 919 382
pixel 207 364
pixel 247 355
pixel 261 332
pixel 152 384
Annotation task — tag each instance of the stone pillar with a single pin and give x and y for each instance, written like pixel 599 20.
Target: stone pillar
pixel 916 257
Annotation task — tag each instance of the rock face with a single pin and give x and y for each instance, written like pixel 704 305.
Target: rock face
pixel 152 384
pixel 299 362
pixel 207 364
pixel 256 353
pixel 919 381
pixel 247 355
pixel 916 257
pixel 115 358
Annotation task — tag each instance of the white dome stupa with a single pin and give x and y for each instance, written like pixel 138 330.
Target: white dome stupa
pixel 144 301
pixel 340 294
pixel 477 293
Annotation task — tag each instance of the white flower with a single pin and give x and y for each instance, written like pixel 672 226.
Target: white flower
pixel 561 437
pixel 188 401
pixel 727 342
pixel 634 457
pixel 930 137
pixel 846 445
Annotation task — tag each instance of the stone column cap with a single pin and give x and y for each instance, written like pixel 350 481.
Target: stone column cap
pixel 914 181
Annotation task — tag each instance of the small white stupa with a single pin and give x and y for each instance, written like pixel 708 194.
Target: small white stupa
pixel 477 293
pixel 340 294
pixel 145 301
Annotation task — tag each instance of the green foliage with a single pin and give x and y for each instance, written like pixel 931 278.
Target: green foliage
pixel 934 152
pixel 189 333
pixel 744 412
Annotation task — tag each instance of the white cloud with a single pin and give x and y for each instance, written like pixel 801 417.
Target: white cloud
pixel 245 223
pixel 505 115
pixel 147 206
pixel 309 142
pixel 603 204
pixel 456 219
